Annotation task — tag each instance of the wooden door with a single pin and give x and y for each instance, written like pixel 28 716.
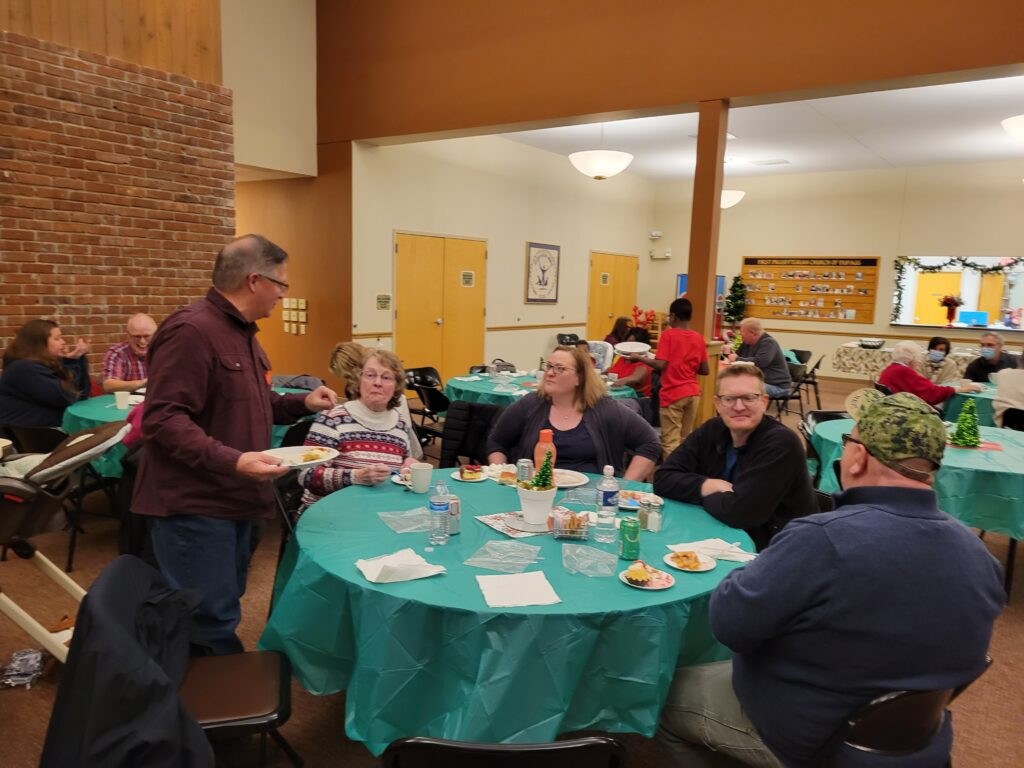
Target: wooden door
pixel 932 286
pixel 465 267
pixel 419 300
pixel 990 297
pixel 612 291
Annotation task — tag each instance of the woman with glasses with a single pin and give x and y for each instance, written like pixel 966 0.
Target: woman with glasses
pixel 369 432
pixel 590 429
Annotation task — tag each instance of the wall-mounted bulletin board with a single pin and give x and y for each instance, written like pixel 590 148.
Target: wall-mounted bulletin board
pixel 830 289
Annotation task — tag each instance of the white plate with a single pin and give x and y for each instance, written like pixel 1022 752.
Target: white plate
pixel 455 476
pixel 292 455
pixel 629 347
pixel 624 503
pixel 399 480
pixel 567 478
pixel 515 521
pixel 706 563
pixel 671 581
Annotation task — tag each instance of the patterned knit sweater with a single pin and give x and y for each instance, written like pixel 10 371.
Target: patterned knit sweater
pixel 362 437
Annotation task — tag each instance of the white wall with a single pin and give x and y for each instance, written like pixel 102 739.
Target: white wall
pixel 269 62
pixel 508 194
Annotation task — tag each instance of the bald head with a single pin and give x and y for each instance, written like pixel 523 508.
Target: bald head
pixel 140 328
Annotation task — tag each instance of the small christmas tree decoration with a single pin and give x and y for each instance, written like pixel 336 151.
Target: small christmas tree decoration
pixel 967 434
pixel 735 302
pixel 543 480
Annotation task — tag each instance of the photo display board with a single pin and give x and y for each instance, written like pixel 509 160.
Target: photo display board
pixel 829 289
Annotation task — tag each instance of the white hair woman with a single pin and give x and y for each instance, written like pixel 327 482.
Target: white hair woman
pixel 900 376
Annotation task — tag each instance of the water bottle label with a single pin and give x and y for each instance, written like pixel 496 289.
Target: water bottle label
pixel 610 498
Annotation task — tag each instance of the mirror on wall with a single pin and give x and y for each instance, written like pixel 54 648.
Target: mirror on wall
pixel 974 292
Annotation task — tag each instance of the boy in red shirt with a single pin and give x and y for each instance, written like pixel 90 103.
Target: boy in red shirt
pixel 682 357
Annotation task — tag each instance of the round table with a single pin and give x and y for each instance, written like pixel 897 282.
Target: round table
pixel 982 402
pixel 981 488
pixel 481 389
pixel 430 658
pixel 93 411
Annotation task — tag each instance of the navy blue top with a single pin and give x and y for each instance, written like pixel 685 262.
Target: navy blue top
pixel 886 593
pixel 575 450
pixel 31 394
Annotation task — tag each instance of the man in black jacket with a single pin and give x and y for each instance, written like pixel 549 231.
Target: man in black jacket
pixel 746 470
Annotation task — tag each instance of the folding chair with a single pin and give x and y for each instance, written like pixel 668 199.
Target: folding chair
pixel 810 381
pixel 588 752
pixel 796 375
pixel 466 426
pixel 807 426
pixel 33 488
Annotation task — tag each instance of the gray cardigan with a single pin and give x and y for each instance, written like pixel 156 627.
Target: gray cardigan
pixel 613 427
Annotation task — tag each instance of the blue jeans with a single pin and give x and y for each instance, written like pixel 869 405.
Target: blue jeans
pixel 212 556
pixel 774 391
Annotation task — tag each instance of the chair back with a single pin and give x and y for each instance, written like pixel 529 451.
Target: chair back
pixel 1013 418
pixel 825 501
pixel 588 752
pixel 466 428
pixel 797 371
pixel 567 339
pixel 475 369
pixel 883 389
pixel 36 439
pixel 422 377
pixel 802 355
pixel 813 418
pixel 296 434
pixel 603 353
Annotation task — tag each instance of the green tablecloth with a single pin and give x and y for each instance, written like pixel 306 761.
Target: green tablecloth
pixel 982 401
pixel 430 658
pixel 86 414
pixel 482 391
pixel 981 488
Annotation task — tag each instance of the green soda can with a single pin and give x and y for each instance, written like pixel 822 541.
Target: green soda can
pixel 629 539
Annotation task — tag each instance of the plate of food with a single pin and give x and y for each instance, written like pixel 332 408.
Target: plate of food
pixel 469 473
pixel 403 480
pixel 632 499
pixel 694 562
pixel 302 455
pixel 640 575
pixel 632 347
pixel 567 478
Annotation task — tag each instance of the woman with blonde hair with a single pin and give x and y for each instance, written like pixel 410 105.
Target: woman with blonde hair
pixel 590 429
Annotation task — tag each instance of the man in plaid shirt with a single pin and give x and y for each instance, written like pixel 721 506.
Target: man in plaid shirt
pixel 124 366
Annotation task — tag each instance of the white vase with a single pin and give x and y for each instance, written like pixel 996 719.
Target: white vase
pixel 536 505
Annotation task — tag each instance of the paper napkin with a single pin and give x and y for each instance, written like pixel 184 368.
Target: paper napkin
pixel 716 548
pixel 517 590
pixel 467 378
pixel 404 565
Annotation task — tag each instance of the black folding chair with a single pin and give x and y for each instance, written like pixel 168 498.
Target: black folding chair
pixel 796 375
pixel 588 752
pixel 810 381
pixel 1013 418
pixel 807 426
pixel 466 427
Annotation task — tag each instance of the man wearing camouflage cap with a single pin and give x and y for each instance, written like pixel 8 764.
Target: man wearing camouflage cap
pixel 885 593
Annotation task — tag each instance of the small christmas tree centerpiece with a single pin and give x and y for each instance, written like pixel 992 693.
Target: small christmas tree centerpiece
pixel 967 434
pixel 543 478
pixel 538 495
pixel 736 302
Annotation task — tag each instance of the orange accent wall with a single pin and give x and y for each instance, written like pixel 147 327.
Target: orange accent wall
pixel 393 68
pixel 312 220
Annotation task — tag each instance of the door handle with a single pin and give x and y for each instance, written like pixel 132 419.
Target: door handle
pixel 439 321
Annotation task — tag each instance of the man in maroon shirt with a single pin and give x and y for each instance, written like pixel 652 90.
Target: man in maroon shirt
pixel 209 409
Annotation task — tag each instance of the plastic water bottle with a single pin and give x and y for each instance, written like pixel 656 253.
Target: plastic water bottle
pixel 607 507
pixel 439 511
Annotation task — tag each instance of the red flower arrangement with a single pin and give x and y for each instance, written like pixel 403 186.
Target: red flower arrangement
pixel 951 301
pixel 642 319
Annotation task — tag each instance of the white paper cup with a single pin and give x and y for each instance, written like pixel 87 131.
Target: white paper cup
pixel 421 472
pixel 121 400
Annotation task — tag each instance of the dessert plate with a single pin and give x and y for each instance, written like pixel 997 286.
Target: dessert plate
pixel 706 563
pixel 455 476
pixel 292 456
pixel 659 580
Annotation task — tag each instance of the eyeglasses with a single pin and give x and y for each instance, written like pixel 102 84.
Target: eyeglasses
pixel 143 337
pixel 279 283
pixel 384 378
pixel 730 400
pixel 847 439
pixel 989 344
pixel 557 369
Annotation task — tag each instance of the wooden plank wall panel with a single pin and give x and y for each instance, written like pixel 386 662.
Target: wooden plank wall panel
pixel 179 36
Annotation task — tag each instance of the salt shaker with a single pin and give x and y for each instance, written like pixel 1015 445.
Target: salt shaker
pixel 654 516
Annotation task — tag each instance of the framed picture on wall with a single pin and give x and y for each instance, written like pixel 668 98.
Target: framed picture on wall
pixel 542 273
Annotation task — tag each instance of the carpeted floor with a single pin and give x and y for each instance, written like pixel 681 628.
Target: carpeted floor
pixel 989 716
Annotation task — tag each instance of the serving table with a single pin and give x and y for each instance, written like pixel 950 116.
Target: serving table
pixel 430 658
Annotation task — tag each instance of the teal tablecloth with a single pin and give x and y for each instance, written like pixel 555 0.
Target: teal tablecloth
pixel 430 658
pixel 982 401
pixel 482 391
pixel 981 488
pixel 89 413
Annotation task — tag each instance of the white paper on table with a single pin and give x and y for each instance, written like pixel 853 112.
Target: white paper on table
pixel 517 589
pixel 716 548
pixel 467 378
pixel 404 565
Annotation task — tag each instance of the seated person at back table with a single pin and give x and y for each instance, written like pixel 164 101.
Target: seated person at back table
pixel 937 366
pixel 42 376
pixel 124 365
pixel 843 607
pixel 900 376
pixel 590 429
pixel 991 358
pixel 1009 391
pixel 620 331
pixel 746 470
pixel 633 373
pixel 763 351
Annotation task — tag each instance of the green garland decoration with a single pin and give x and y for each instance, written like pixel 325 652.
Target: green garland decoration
pixel 905 262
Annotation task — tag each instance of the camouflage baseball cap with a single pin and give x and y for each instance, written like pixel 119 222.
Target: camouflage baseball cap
pixel 902 426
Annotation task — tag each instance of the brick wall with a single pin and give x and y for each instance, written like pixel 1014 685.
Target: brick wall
pixel 116 189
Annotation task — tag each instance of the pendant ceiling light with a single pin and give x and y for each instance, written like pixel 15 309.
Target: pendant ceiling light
pixel 600 164
pixel 1014 126
pixel 731 196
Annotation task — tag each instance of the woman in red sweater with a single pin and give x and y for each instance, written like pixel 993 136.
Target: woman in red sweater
pixel 900 376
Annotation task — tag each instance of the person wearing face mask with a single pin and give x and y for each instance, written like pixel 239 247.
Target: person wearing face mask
pixel 992 358
pixel 900 376
pixel 938 367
